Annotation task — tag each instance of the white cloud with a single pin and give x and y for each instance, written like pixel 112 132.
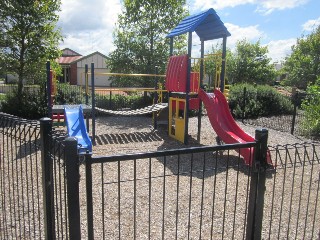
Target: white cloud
pixel 280 49
pixel 88 25
pixel 311 24
pixel 87 42
pixel 263 6
pixel 218 4
pixel 250 33
pixel 268 6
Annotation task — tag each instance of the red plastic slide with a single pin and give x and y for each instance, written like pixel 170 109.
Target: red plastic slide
pixel 224 125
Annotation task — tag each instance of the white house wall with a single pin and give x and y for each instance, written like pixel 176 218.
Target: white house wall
pixel 99 67
pixel 100 80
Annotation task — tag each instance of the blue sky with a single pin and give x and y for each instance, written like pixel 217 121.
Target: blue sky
pixel 87 25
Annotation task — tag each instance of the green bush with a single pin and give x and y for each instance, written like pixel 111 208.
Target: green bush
pixel 247 100
pixel 69 94
pixel 29 105
pixel 118 101
pixel 311 107
pixel 2 99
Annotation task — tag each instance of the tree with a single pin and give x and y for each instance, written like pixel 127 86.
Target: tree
pixel 212 64
pixel 311 106
pixel 29 36
pixel 140 40
pixel 250 64
pixel 303 65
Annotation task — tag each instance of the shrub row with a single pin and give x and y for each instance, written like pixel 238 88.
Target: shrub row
pixel 29 105
pixel 118 101
pixel 69 94
pixel 246 100
pixel 311 107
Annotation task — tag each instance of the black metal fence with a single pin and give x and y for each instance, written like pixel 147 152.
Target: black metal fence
pixel 178 194
pixel 292 197
pixel 291 123
pixel 123 99
pixel 21 203
pixel 204 192
pixel 7 88
pixel 117 99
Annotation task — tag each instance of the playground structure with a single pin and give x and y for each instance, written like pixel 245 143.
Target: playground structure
pixel 70 115
pixel 183 85
pixel 76 127
pixel 184 88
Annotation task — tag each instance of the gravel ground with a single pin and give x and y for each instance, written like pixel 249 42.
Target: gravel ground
pixel 193 204
pixel 115 135
pixel 215 201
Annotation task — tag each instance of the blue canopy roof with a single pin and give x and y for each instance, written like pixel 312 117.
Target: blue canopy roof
pixel 206 24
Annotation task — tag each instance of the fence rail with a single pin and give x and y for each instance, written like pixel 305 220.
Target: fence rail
pixel 204 192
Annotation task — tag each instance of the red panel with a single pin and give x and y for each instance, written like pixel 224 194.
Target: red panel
pixel 176 74
pixel 194 84
pixel 194 103
pixel 73 74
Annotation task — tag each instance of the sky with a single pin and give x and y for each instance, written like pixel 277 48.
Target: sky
pixel 87 26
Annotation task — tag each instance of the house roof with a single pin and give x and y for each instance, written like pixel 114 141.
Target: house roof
pixel 90 55
pixel 69 52
pixel 206 24
pixel 67 59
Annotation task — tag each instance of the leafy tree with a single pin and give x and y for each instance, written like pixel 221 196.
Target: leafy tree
pixel 140 40
pixel 311 106
pixel 250 64
pixel 303 65
pixel 212 64
pixel 28 37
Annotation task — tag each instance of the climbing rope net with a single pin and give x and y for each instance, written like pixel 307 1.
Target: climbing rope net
pixel 140 111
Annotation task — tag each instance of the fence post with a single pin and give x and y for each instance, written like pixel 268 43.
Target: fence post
pixel 47 178
pixel 156 98
pixel 89 197
pixel 244 104
pixel 257 186
pixel 73 177
pixel 295 103
pixel 49 89
pixel 86 84
pixel 93 113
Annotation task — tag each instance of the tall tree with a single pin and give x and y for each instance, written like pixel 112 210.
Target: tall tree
pixel 140 40
pixel 249 63
pixel 303 65
pixel 28 36
pixel 212 65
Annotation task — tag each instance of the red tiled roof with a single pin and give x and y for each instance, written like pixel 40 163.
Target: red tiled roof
pixel 68 60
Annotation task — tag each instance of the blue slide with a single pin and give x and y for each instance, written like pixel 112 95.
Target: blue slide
pixel 76 128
